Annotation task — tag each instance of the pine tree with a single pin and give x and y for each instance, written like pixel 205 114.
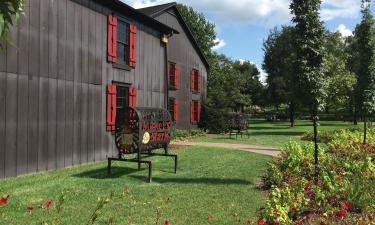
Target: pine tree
pixel 309 74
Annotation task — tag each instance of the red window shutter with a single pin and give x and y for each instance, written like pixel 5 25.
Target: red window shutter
pixel 175 110
pixel 112 39
pixel 199 81
pixel 111 107
pixel 132 97
pixel 192 73
pixel 199 112
pixel 192 111
pixel 133 46
pixel 175 75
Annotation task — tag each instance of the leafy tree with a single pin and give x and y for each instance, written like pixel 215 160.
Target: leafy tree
pixel 202 29
pixel 232 86
pixel 8 10
pixel 278 63
pixel 353 65
pixel 340 81
pixel 218 104
pixel 309 74
pixel 365 91
pixel 252 86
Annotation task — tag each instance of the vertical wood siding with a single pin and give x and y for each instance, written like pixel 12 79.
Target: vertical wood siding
pixel 182 52
pixel 53 83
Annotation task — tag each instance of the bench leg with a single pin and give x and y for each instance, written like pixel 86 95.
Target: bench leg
pixel 149 171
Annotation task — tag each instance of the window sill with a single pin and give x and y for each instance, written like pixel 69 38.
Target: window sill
pixel 121 67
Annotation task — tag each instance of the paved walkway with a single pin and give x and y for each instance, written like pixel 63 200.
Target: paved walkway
pixel 247 148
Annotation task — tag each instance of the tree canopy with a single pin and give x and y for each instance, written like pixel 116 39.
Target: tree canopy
pixel 9 13
pixel 364 32
pixel 202 29
pixel 233 86
pixel 309 42
pixel 340 81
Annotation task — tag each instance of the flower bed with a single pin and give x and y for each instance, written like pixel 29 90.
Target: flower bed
pixel 344 192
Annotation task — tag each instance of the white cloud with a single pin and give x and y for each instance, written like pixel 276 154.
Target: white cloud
pixel 263 74
pixel 264 12
pixel 219 44
pixel 345 32
pixel 332 9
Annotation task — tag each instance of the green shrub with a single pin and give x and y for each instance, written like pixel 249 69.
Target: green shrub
pixel 326 136
pixel 323 137
pixel 348 144
pixel 178 134
pixel 214 120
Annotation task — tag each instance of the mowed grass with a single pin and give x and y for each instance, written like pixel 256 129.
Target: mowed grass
pixel 276 134
pixel 217 185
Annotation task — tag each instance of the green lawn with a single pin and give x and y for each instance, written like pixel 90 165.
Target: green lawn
pixel 276 134
pixel 219 184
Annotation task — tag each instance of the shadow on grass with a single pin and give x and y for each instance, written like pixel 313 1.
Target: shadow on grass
pixel 283 133
pixel 203 180
pixel 303 124
pixel 101 173
pixel 268 128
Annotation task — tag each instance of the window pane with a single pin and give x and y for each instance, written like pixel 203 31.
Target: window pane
pixel 122 42
pixel 171 107
pixel 121 101
pixel 121 52
pixel 171 74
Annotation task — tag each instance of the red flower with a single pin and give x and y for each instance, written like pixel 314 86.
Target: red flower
pixel 167 222
pixel 346 205
pixel 260 222
pixel 48 203
pixel 294 210
pixel 3 201
pixel 322 223
pixel 40 206
pixel 340 214
pixel 370 217
pixel 30 210
pixel 276 223
pixel 332 200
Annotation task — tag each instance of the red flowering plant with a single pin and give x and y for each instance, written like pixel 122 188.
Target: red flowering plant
pixel 344 190
pixel 4 200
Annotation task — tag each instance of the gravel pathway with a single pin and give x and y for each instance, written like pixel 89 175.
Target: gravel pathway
pixel 248 148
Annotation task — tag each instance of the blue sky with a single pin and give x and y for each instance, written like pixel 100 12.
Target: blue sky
pixel 242 25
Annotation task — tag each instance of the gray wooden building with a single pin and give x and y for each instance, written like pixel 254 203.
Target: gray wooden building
pixel 73 65
pixel 188 90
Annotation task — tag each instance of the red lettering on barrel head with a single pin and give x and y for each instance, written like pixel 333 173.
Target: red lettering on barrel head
pixel 159 137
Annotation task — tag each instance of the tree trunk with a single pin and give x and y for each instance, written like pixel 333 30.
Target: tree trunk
pixel 355 116
pixel 364 130
pixel 316 152
pixel 291 109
